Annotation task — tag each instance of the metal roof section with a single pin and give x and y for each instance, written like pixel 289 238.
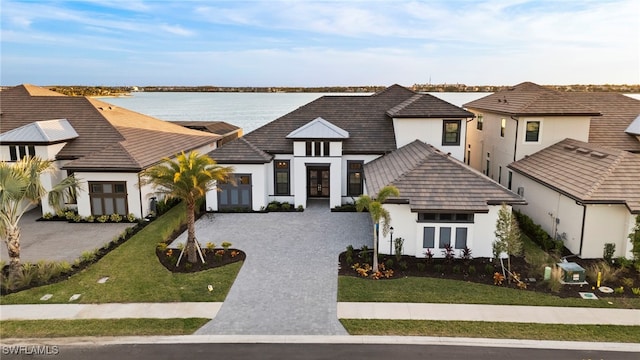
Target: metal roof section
pixel 318 128
pixel 48 131
pixel 634 127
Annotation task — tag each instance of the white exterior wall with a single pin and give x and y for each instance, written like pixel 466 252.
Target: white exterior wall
pixel 259 186
pixel 603 223
pixel 133 191
pixel 429 131
pixel 480 233
pixel 607 224
pixel 503 150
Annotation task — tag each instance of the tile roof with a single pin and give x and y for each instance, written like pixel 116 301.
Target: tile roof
pixel 529 99
pixel 110 138
pixel 240 151
pixel 49 131
pixel 363 117
pixel 215 127
pixel 433 181
pixel 618 112
pixel 586 172
pixel 427 106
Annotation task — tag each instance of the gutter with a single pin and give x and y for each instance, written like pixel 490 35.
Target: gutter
pixel 140 195
pixel 584 216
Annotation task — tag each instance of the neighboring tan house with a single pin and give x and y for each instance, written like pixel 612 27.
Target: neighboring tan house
pixel 586 194
pixel 227 131
pixel 520 121
pixel 442 201
pixel 105 146
pixel 319 150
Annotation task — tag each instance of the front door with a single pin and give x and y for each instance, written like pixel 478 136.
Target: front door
pixel 318 181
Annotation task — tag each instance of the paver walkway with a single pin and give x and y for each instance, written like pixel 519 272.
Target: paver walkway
pixel 288 283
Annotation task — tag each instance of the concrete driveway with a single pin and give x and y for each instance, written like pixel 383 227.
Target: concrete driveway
pixel 288 283
pixel 60 240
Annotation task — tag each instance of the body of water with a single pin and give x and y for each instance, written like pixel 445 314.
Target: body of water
pixel 246 110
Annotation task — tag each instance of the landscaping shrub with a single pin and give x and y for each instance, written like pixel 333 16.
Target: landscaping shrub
pixel 534 231
pixel 607 253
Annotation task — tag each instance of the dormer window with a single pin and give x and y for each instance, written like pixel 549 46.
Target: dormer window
pixel 18 152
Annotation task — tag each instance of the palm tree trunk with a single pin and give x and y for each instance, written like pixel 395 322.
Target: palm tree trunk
pixel 375 248
pixel 190 247
pixel 13 248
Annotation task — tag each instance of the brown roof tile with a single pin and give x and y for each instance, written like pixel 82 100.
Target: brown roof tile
pixel 586 172
pixel 433 181
pixel 365 118
pixel 529 99
pixel 110 138
pixel 427 106
pixel 240 151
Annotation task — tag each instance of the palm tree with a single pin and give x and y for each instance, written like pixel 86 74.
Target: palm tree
pixel 374 205
pixel 21 189
pixel 188 177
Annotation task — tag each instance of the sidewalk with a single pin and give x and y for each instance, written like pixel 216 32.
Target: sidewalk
pixel 394 311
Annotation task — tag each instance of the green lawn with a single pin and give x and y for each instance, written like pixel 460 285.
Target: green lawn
pixel 112 327
pixel 136 275
pixel 497 330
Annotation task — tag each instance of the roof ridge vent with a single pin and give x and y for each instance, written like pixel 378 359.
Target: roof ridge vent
pixel 583 151
pixel 598 155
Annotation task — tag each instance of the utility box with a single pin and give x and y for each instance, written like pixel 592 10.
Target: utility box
pixel 572 273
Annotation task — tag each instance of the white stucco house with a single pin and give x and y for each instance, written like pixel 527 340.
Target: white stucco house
pixel 586 194
pixel 340 147
pixel 104 146
pixel 319 150
pixel 570 154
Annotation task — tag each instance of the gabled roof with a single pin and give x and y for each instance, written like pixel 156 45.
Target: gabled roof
pixel 109 138
pixel 433 181
pixel 240 151
pixel 49 131
pixel 634 127
pixel 586 172
pixel 364 118
pixel 427 106
pixel 318 128
pixel 529 99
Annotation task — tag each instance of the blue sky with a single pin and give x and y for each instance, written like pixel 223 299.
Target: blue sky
pixel 319 43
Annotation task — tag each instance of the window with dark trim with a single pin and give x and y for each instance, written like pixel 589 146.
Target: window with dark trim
pixel 451 132
pixel 354 178
pixel 480 122
pixel 446 217
pixel 445 237
pixel 19 152
pixel 533 131
pixel 108 198
pixel 429 237
pixel 317 148
pixel 503 126
pixel 461 238
pixel 509 178
pixel 282 177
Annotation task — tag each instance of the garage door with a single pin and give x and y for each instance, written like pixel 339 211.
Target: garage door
pixel 235 196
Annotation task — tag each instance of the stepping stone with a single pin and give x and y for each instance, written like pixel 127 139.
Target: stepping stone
pixel 103 280
pixel 46 297
pixel 74 297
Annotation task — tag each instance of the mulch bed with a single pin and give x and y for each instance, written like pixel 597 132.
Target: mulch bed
pixel 481 270
pixel 213 258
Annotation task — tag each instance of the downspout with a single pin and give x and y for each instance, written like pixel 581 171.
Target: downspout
pixel 140 195
pixel 515 145
pixel 584 217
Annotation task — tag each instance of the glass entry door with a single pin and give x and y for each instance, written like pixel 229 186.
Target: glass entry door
pixel 318 181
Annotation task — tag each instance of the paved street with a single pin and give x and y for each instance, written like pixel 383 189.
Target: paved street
pixel 288 284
